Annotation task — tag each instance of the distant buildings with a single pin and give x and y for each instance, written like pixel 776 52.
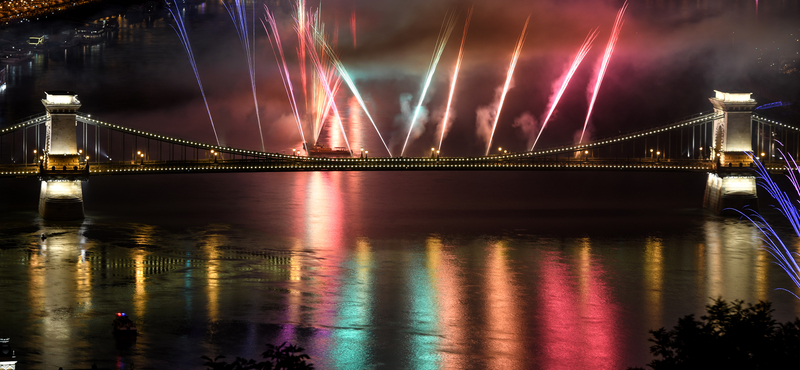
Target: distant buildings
pixel 21 10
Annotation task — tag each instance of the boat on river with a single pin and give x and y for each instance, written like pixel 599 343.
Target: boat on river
pixel 123 325
pixel 319 150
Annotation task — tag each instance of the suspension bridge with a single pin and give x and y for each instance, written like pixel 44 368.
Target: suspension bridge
pixel 63 147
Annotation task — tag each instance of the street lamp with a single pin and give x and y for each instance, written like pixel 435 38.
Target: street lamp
pixel 294 151
pixel 651 153
pixel 658 154
pixel 432 151
pixel 366 154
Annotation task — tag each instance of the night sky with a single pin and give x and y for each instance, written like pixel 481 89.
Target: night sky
pixel 670 57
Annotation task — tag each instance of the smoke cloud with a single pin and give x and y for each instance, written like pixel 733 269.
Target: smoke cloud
pixel 528 125
pixel 403 119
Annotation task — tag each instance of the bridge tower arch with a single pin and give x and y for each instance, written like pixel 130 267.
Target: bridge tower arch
pixel 61 169
pixel 733 184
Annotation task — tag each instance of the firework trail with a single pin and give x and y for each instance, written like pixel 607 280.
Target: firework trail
pixel 587 44
pixel 517 51
pixel 441 41
pixel 353 27
pixel 784 258
pixel 325 101
pixel 301 48
pixel 238 13
pixel 180 29
pixel 612 41
pixel 349 81
pixel 275 43
pixel 326 82
pixel 455 78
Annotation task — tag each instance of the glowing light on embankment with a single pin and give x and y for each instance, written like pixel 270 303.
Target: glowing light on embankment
pixel 441 42
pixel 587 44
pixel 612 41
pixel 455 78
pixel 514 58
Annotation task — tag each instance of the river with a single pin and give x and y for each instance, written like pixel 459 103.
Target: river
pixel 423 270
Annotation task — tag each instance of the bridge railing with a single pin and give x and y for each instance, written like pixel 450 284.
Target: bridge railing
pixel 693 120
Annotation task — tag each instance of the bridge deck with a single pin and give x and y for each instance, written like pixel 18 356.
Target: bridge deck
pixel 303 164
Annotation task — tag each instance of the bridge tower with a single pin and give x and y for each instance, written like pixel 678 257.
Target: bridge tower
pixel 733 185
pixel 61 169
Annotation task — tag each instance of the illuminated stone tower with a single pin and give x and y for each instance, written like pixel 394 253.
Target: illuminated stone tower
pixel 61 169
pixel 733 185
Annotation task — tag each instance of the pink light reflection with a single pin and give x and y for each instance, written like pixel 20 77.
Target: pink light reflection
pixel 579 320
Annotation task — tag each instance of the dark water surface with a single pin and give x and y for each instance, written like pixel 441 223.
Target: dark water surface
pixel 373 270
pixel 483 270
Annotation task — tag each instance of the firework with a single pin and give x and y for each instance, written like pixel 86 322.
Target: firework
pixel 587 44
pixel 237 10
pixel 455 78
pixel 324 77
pixel 275 43
pixel 350 84
pixel 180 29
pixel 441 41
pixel 612 41
pixel 774 245
pixel 514 58
pixel 353 27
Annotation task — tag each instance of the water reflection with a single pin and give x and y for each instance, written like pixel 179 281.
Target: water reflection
pixel 354 318
pixel 355 302
pixel 451 299
pixel 504 334
pixel 60 291
pixel 654 280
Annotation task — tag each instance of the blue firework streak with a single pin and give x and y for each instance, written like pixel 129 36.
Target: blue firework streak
pixel 784 258
pixel 237 10
pixel 180 29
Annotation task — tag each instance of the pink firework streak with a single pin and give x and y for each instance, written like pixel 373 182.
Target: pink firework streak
pixel 587 44
pixel 301 21
pixel 353 27
pixel 612 41
pixel 517 51
pixel 324 75
pixel 287 82
pixel 455 78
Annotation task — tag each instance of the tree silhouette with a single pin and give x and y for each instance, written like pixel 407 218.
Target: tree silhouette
pixel 729 336
pixel 283 357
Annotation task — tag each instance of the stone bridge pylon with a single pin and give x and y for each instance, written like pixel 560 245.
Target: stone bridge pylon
pixel 733 184
pixel 61 168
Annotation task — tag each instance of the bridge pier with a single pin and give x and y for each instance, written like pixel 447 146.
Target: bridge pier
pixel 60 167
pixel 725 193
pixel 732 185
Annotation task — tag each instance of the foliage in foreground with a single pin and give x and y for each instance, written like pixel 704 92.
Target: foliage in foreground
pixel 729 336
pixel 281 357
